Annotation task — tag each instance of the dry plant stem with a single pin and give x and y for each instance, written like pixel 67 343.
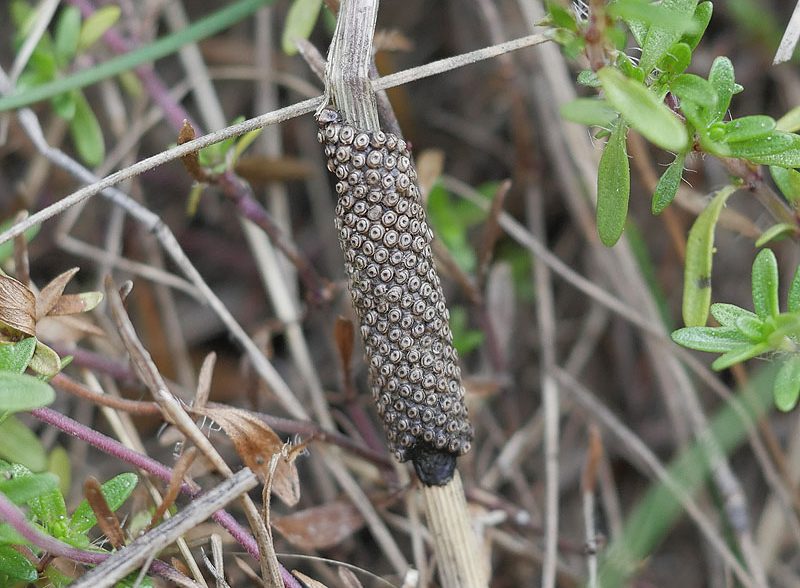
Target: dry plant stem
pixel 175 413
pixel 461 565
pixel 545 314
pixel 96 186
pixel 132 556
pixel 790 37
pixel 643 455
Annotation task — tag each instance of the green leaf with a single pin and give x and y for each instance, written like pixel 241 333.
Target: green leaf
pixel 751 327
pixel 592 112
pixel 787 384
pixel 668 185
pixel 45 361
pixel 588 78
pixel 22 489
pixel 464 338
pixel 14 357
pixel 561 17
pixel 711 339
pixel 86 132
pixel 20 392
pixel 739 355
pixel 748 127
pixel 643 110
pixel 58 464
pixel 51 512
pixel 701 18
pixel 723 80
pixel 64 105
pixel 675 19
pixel 790 122
pixel 96 25
pixel 300 21
pixel 698 99
pixel 677 59
pixel 7 248
pixel 765 285
pixel 788 182
pixel 793 301
pixel 16 566
pixel 776 233
pixel 697 268
pixel 19 445
pixel 728 314
pixel 68 28
pixel 777 148
pixel 613 186
pixel 116 491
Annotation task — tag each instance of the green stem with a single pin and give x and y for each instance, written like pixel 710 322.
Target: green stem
pixel 203 28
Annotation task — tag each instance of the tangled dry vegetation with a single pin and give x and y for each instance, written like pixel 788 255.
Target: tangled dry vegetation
pixel 539 307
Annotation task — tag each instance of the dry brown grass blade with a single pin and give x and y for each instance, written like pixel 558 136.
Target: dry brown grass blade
pixel 106 518
pixel 174 488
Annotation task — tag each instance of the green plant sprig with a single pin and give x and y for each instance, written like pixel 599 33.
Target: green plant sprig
pixel 743 334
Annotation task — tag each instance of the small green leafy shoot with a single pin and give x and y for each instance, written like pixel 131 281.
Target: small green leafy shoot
pixel 743 334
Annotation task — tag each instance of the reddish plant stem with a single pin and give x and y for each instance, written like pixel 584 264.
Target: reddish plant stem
pixel 12 515
pixel 151 466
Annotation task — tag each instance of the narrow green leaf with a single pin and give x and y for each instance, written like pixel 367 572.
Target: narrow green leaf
pixel 698 99
pixel 675 19
pixel 58 464
pixel 589 111
pixel 86 133
pixel 19 445
pixel 14 357
pixel 697 268
pixel 643 110
pixel 677 59
pixel 723 80
pixel 215 22
pixel 45 361
pixel 300 22
pixel 668 185
pixel 788 182
pixel 16 566
pixel 68 27
pixel 116 491
pixel 711 339
pixel 20 392
pixel 793 302
pixel 701 18
pixel 613 186
pixel 787 384
pixel 22 489
pixel 96 25
pixel 765 285
pixel 776 233
pixel 790 122
pixel 728 314
pixel 775 148
pixel 739 355
pixel 751 327
pixel 748 128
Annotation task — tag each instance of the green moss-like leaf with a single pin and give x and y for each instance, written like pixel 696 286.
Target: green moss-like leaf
pixel 699 254
pixel 739 355
pixel 96 25
pixel 19 445
pixel 14 357
pixel 16 566
pixel 727 314
pixel 643 110
pixel 788 182
pixel 674 20
pixel 776 233
pixel 613 187
pixel 723 81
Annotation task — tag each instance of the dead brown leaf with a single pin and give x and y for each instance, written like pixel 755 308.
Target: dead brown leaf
pixel 50 294
pixel 349 579
pixel 75 303
pixel 17 307
pixel 256 443
pixel 320 527
pixel 106 519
